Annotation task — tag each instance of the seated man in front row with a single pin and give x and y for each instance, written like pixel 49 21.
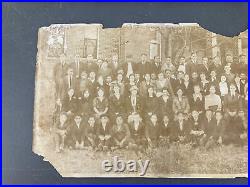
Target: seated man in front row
pixel 153 131
pixel 77 134
pixel 61 131
pixel 104 133
pixel 180 131
pixel 91 133
pixel 196 129
pixel 137 141
pixel 234 128
pixel 120 133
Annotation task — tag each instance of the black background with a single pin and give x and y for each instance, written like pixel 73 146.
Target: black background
pixel 20 25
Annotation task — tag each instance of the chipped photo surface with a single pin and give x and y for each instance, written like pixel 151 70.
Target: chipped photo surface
pixel 144 100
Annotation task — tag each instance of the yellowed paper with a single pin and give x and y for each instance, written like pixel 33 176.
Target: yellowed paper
pixel 149 65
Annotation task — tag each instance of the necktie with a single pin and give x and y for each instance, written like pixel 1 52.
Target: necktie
pixel 70 81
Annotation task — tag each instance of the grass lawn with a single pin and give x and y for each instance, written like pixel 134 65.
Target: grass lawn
pixel 176 160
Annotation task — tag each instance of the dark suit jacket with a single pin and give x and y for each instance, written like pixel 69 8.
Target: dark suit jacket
pixel 77 133
pixel 69 104
pixel 143 68
pixel 155 68
pixel 240 90
pixel 152 132
pixel 217 130
pixel 166 131
pixel 176 131
pixel 66 83
pixel 125 67
pixel 136 134
pixel 120 134
pixel 232 102
pixel 60 70
pixel 198 104
pixel 102 131
pixel 90 66
pixel 165 108
pixel 208 126
pixel 191 67
pixel 115 67
pixel 91 132
pixel 117 105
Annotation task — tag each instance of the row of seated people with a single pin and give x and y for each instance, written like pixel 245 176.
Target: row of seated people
pixel 153 101
pixel 134 133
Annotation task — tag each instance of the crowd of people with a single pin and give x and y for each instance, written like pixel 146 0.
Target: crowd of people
pixel 107 105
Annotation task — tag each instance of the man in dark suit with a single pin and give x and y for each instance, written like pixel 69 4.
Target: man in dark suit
pixel 165 104
pixel 204 67
pixel 77 132
pixel 240 84
pixel 91 132
pixel 152 131
pixel 77 66
pixel 60 71
pixel 69 81
pixel 233 128
pixel 193 65
pixel 156 65
pixel 181 130
pixel 69 102
pixel 143 66
pixel 120 133
pixel 207 122
pixel 104 131
pixel 196 129
pixel 90 65
pixel 114 65
pixel 232 99
pixel 133 102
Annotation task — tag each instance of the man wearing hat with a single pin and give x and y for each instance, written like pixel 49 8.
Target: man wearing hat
pixel 164 105
pixel 133 103
pixel 137 141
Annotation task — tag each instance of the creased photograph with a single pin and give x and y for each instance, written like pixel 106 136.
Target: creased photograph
pixel 144 100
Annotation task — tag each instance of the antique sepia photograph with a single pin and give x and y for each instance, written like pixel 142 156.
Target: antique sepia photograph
pixel 144 100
